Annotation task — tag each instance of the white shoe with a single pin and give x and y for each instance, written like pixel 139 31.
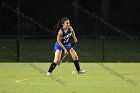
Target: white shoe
pixel 81 71
pixel 48 74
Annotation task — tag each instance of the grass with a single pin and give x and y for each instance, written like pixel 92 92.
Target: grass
pixel 22 78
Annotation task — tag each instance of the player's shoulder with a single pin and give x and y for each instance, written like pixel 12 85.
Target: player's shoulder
pixel 60 31
pixel 71 29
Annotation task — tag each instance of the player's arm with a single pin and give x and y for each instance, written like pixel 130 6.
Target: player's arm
pixel 59 38
pixel 73 34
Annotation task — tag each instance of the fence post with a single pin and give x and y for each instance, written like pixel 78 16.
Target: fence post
pixel 103 48
pixel 18 33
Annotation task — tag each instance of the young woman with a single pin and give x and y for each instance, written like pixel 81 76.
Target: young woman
pixel 64 33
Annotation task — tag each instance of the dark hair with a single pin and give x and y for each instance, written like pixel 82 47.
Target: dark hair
pixel 58 26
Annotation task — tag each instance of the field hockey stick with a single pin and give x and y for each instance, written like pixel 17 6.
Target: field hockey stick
pixel 66 54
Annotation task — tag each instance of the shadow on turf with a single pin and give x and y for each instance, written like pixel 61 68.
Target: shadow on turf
pixel 128 80
pixel 60 81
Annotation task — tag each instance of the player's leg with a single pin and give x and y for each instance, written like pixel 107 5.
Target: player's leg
pixel 76 61
pixel 57 58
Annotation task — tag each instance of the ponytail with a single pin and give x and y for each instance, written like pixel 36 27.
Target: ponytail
pixel 58 26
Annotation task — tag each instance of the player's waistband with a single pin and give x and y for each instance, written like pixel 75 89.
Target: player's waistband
pixel 63 44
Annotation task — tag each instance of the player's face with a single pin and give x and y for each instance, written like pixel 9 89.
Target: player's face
pixel 66 24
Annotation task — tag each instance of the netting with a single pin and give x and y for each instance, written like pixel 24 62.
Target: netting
pixel 26 34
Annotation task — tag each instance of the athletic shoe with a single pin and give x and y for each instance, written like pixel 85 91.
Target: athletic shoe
pixel 81 71
pixel 48 74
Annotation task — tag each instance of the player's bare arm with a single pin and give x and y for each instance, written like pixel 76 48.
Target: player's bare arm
pixel 73 34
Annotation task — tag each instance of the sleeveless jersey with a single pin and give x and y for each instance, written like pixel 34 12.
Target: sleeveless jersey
pixel 66 36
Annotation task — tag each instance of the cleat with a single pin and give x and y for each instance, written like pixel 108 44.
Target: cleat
pixel 48 74
pixel 81 71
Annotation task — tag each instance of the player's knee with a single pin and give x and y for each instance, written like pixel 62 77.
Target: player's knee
pixel 75 58
pixel 56 61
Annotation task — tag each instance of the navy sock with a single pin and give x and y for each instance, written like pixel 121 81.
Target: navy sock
pixel 52 67
pixel 76 63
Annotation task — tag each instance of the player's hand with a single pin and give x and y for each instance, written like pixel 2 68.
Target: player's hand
pixel 75 40
pixel 65 51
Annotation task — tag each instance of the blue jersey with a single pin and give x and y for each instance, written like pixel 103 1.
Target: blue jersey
pixel 65 40
pixel 66 36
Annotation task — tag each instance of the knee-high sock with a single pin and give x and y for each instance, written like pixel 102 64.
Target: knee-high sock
pixel 76 63
pixel 52 67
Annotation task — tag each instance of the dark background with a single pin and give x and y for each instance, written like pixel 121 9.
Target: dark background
pixel 123 14
pixel 96 23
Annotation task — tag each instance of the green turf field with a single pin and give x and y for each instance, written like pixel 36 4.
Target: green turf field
pixel 22 78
